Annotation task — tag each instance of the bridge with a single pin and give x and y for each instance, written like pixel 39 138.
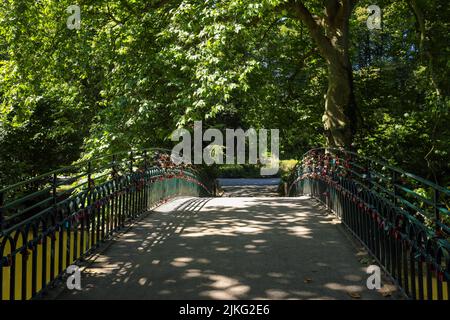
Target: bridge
pixel 140 227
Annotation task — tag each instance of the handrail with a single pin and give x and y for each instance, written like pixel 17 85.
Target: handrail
pixel 74 165
pixel 398 170
pixel 63 215
pixel 407 233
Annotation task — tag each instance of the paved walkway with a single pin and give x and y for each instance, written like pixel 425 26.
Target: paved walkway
pixel 229 248
pixel 249 187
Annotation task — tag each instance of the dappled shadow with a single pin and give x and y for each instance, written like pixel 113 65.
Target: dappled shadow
pixel 229 248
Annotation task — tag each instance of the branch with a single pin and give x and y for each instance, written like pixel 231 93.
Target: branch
pixel 148 6
pixel 156 5
pixel 420 19
pixel 315 29
pixel 421 25
pixel 331 10
pixel 112 17
pixel 300 67
pixel 273 24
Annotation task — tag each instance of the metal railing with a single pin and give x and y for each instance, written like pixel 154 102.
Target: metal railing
pixel 402 220
pixel 54 220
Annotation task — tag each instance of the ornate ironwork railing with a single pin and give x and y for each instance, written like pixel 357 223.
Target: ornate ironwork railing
pixel 52 221
pixel 402 219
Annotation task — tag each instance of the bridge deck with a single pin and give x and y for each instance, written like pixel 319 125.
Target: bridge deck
pixel 229 248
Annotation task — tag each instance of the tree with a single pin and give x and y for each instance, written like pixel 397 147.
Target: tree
pixel 330 32
pixel 138 69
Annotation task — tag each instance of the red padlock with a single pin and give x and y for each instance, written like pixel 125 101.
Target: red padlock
pixel 7 261
pixel 374 215
pixel 25 253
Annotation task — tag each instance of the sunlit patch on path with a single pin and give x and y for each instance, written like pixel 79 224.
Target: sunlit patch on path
pixel 229 248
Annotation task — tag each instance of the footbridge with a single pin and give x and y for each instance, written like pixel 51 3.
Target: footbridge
pixel 139 227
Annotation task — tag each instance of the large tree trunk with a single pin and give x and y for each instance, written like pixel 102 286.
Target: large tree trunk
pixel 331 34
pixel 339 118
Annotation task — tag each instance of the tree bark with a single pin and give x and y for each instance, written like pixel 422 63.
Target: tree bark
pixel 331 34
pixel 339 119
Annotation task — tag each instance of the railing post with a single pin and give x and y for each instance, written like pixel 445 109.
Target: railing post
pixel 2 197
pixel 394 188
pixel 145 160
pixel 89 171
pixel 54 190
pixel 90 184
pixel 437 214
pixel 113 167
pixel 131 162
pixel 369 174
pixel 144 181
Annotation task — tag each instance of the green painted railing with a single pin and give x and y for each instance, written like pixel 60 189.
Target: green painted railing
pixel 403 220
pixel 52 221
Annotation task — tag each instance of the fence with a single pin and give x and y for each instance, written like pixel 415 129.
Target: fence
pixel 402 220
pixel 52 221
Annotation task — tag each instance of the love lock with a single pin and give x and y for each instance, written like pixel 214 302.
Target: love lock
pixel 25 253
pixel 380 221
pixel 387 228
pixel 80 215
pixel 392 231
pixel 422 258
pixel 407 243
pixel 7 261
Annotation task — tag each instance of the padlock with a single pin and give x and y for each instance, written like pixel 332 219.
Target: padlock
pixel 440 275
pixel 7 261
pixel 25 253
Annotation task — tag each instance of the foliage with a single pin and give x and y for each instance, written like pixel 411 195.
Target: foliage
pixel 136 70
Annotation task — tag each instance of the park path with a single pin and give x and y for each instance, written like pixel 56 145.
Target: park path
pixel 249 187
pixel 229 248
